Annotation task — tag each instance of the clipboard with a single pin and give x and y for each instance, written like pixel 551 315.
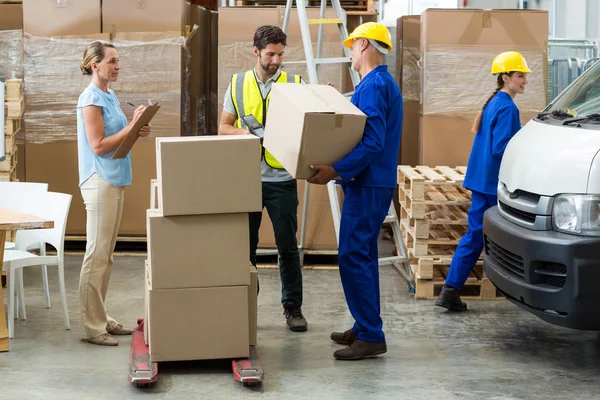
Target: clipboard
pixel 127 143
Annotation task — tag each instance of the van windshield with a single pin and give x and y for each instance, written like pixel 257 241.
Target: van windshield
pixel 582 98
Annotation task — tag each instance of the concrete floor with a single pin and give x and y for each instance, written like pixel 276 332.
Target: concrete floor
pixel 494 351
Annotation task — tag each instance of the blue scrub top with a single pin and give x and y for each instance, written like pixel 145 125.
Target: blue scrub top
pixel 499 123
pixel 374 161
pixel 116 172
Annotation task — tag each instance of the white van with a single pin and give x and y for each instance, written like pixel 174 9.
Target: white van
pixel 542 240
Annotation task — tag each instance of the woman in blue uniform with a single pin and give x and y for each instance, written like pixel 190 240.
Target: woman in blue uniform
pixel 495 125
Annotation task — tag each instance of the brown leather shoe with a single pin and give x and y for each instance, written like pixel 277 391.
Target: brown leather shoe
pixel 103 340
pixel 346 338
pixel 360 349
pixel 120 330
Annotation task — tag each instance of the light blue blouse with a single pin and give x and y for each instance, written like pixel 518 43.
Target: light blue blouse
pixel 116 172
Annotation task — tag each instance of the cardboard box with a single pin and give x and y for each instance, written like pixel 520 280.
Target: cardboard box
pixel 195 251
pixel 55 163
pixel 142 15
pixel 209 174
pixel 199 324
pixel 11 17
pixel 236 27
pixel 468 40
pixel 408 55
pixel 253 305
pixel 311 124
pixel 320 232
pixel 46 18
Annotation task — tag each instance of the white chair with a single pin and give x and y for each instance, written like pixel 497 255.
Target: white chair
pixel 52 206
pixel 12 196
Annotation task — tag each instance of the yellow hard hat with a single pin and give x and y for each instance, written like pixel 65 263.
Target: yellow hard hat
pixel 509 61
pixel 372 31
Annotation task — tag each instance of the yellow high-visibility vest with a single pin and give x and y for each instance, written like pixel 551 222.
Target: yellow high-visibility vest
pixel 247 99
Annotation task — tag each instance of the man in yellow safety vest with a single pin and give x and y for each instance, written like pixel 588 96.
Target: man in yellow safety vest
pixel 249 94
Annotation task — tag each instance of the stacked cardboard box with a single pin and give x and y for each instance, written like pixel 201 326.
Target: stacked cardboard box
pixel 200 298
pixel 440 48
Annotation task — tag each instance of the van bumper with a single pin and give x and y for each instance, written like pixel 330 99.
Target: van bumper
pixel 553 275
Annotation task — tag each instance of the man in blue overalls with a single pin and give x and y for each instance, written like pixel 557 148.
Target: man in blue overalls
pixel 369 178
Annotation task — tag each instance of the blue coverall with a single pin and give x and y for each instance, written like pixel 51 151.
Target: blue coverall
pixel 369 179
pixel 499 123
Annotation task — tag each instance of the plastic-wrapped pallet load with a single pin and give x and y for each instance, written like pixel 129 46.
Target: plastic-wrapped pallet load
pixel 456 81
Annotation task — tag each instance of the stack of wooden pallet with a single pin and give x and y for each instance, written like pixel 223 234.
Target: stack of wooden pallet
pixel 434 208
pixel 12 124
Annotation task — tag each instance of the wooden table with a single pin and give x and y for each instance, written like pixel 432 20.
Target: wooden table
pixel 10 221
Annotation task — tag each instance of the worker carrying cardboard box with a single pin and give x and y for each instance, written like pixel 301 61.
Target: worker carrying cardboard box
pixel 248 95
pixel 368 176
pixel 495 125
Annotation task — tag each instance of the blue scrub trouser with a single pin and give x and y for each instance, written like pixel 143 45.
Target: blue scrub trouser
pixel 364 211
pixel 471 245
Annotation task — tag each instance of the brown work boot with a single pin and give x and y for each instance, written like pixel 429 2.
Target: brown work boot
pixel 120 330
pixel 103 340
pixel 346 338
pixel 294 318
pixel 361 349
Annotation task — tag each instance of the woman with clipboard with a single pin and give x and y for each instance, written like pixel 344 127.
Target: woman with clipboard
pixel 101 128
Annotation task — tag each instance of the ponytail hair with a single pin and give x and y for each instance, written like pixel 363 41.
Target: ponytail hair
pixel 499 86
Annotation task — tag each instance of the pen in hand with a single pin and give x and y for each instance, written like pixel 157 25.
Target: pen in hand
pixel 132 105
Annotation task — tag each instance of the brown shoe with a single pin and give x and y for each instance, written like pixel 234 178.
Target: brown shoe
pixel 346 338
pixel 119 330
pixel 360 349
pixel 103 340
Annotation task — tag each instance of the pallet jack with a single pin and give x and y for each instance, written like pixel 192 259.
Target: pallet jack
pixel 143 372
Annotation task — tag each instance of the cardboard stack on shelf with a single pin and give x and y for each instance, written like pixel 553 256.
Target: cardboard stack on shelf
pixel 434 207
pixel 201 291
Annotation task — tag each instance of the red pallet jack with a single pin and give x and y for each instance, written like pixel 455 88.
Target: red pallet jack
pixel 143 372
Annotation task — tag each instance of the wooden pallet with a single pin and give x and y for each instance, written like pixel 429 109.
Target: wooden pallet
pixel 14 90
pixel 434 215
pixel 10 160
pixel 414 179
pixel 12 126
pixel 476 287
pixel 10 144
pixel 442 240
pixel 429 268
pixel 444 196
pixel 15 108
pixel 9 176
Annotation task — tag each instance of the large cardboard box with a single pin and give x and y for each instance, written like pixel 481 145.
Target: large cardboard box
pixel 56 164
pixel 253 305
pixel 320 231
pixel 197 324
pixel 408 56
pixel 60 18
pixel 209 175
pixel 11 17
pixel 466 41
pixel 142 15
pixel 311 124
pixel 236 31
pixel 195 251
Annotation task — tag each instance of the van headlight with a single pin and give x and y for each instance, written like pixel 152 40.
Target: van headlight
pixel 577 214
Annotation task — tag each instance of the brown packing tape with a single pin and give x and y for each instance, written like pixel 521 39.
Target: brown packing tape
pixel 339 120
pixel 487 19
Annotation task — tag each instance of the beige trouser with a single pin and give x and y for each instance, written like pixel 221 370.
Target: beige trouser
pixel 104 205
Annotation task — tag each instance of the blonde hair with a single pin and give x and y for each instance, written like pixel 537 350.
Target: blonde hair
pixel 500 85
pixel 93 53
